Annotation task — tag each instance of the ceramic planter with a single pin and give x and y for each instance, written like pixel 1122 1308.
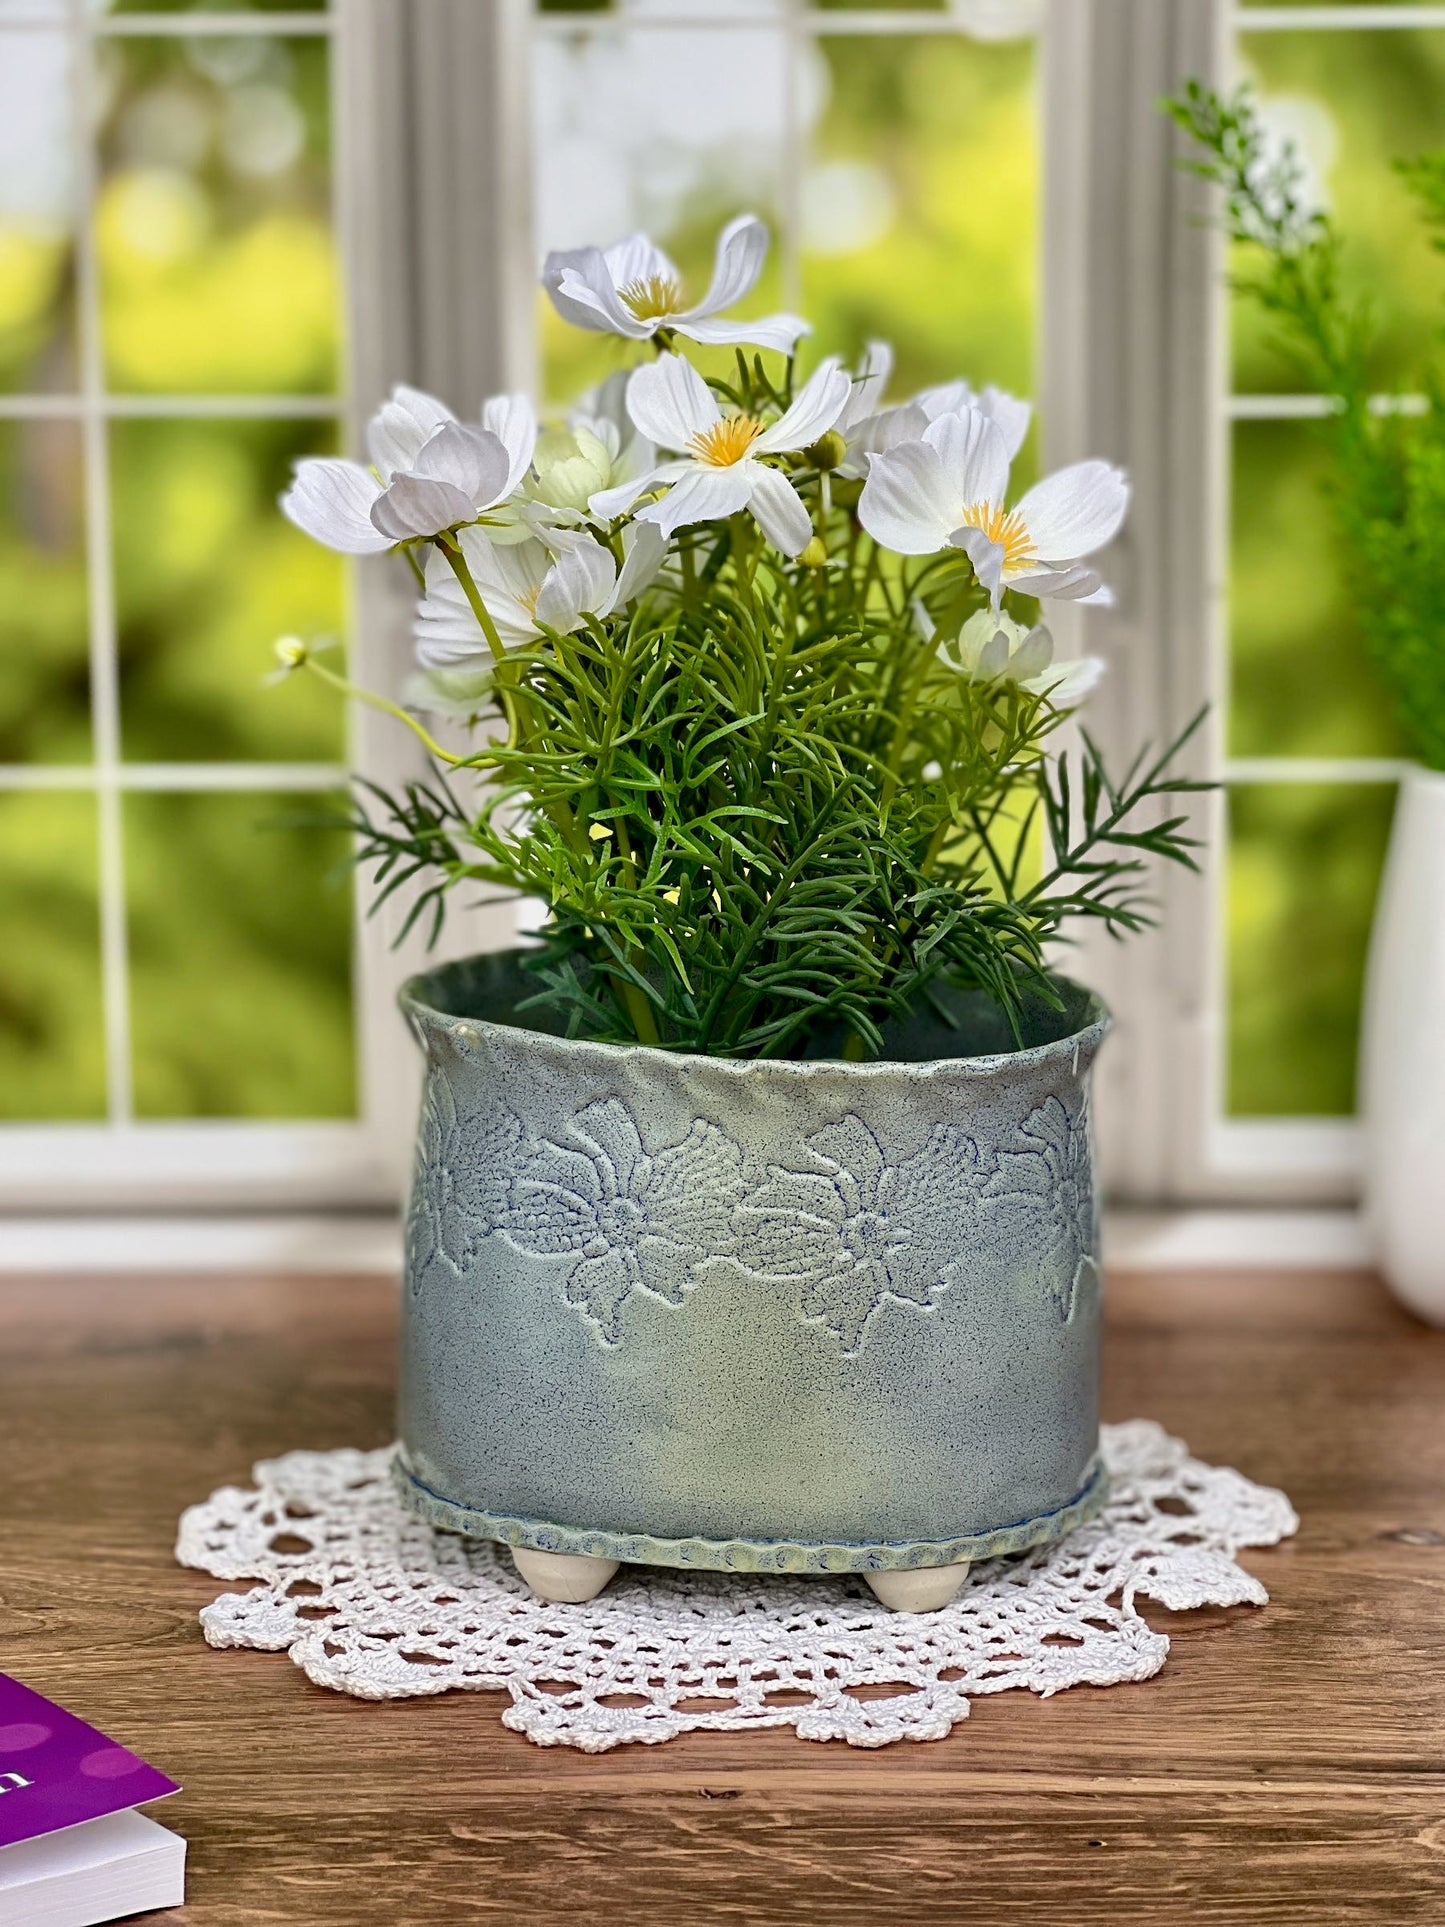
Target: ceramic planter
pixel 1402 1058
pixel 769 1316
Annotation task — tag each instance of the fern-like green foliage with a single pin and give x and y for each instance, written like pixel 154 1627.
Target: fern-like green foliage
pixel 749 705
pixel 767 814
pixel 1387 488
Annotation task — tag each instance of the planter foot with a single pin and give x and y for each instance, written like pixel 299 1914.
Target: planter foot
pixel 564 1578
pixel 926 1589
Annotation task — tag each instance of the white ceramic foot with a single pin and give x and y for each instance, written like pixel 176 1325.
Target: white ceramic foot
pixel 924 1590
pixel 566 1578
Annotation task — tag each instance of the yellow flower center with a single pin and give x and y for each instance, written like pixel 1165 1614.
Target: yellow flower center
pixel 726 442
pixel 1004 527
pixel 528 599
pixel 653 297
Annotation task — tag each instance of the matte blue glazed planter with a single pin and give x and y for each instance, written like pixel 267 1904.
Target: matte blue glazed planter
pixel 772 1316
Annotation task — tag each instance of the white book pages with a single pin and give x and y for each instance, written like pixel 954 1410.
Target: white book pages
pixel 100 1870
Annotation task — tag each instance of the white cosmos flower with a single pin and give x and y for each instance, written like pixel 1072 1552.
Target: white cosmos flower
pixel 719 470
pixel 1008 414
pixel 991 647
pixel 949 489
pixel 633 289
pixel 526 586
pixel 429 473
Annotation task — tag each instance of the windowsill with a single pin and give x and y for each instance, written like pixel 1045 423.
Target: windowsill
pixel 370 1242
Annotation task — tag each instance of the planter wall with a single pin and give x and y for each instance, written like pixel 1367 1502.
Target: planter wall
pixel 799 1315
pixel 1402 1075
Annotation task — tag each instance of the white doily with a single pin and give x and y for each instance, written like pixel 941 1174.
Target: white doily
pixel 370 1601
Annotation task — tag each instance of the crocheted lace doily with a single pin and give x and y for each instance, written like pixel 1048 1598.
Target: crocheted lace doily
pixel 369 1600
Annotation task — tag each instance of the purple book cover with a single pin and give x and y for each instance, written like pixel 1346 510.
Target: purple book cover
pixel 56 1771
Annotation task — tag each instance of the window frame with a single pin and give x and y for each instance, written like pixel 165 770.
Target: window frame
pixel 403 95
pixel 1132 364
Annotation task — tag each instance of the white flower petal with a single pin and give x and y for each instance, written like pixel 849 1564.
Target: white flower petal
pixel 993 657
pixel 638 258
pixel 512 420
pixel 987 557
pixel 458 694
pixel 1033 655
pixel 974 456
pixel 876 434
pixel 1067 684
pixel 946 398
pixel 415 505
pixel 609 503
pixel 644 547
pixel 508 578
pixel 1074 512
pixel 1011 415
pixel 583 292
pixel 331 501
pixel 504 572
pixel 607 402
pixel 869 382
pixel 1076 584
pixel 702 495
pixel 581 582
pixel 670 402
pixel 742 248
pixel 907 503
pixel 778 511
pixel 469 458
pixel 815 408
pixel 780 332
pixel 401 427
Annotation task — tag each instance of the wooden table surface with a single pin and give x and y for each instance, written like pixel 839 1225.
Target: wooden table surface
pixel 1288 1765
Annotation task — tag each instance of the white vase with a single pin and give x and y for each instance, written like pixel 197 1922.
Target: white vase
pixel 1402 1062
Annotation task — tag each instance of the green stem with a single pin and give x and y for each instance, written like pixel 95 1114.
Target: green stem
pixel 451 549
pixel 521 722
pixel 394 709
pixel 638 1007
pixel 905 719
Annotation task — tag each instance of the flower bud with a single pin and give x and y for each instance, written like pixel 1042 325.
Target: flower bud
pixel 291 652
pixel 815 554
pixel 828 451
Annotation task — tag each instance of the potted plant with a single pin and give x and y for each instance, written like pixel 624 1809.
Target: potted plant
pixel 1387 498
pixel 753 1218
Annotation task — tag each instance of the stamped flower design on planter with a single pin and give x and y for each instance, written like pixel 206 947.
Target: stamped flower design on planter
pixel 459 1185
pixel 856 1231
pixel 633 1220
pixel 1049 1188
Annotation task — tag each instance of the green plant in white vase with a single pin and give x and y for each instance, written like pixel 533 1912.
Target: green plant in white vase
pixel 1386 497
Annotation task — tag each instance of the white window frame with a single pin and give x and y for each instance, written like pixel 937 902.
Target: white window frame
pixel 409 148
pixel 432 110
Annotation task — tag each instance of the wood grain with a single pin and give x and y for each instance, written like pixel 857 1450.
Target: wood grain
pixel 1288 1766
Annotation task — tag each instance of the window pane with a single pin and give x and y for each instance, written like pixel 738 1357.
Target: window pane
pixel 44 650
pixel 52 1046
pixel 921 205
pixel 1354 103
pixel 240 956
pixel 1301 680
pixel 208 574
pixel 1304 865
pixel 670 132
pixel 37 308
pixel 218 270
